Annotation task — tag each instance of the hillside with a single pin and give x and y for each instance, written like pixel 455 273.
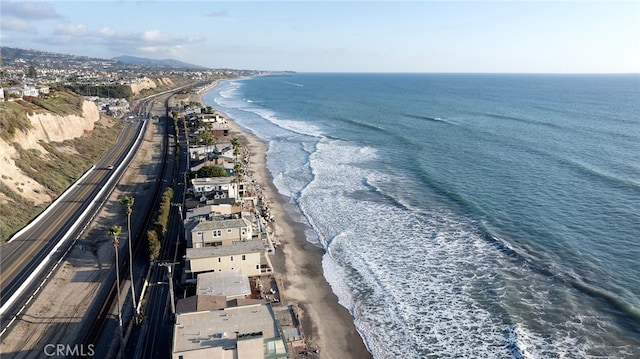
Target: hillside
pixel 45 145
pixel 160 63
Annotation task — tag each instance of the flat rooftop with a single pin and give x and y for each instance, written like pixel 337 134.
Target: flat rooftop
pixel 224 329
pixel 226 283
pixel 239 247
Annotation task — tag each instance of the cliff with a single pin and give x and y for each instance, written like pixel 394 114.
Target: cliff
pixel 46 128
pixel 147 83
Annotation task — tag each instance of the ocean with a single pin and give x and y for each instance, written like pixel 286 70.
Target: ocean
pixel 464 215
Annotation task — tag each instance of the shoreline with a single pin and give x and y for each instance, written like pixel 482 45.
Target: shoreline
pixel 326 323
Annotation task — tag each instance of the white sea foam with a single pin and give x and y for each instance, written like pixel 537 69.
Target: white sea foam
pixel 294 84
pixel 299 127
pixel 423 284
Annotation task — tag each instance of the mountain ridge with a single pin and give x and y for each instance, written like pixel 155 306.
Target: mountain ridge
pixel 134 60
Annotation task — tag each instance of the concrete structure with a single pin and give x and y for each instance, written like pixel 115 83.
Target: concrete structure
pixel 247 332
pixel 229 284
pixel 201 233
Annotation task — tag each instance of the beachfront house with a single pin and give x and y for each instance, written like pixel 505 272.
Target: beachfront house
pixel 249 257
pixel 220 130
pixel 250 331
pixel 216 187
pixel 201 233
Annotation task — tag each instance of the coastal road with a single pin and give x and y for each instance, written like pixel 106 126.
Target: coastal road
pixel 21 257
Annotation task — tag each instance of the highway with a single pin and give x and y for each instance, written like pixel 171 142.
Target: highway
pixel 20 257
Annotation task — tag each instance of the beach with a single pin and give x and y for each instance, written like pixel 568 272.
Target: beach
pixel 326 323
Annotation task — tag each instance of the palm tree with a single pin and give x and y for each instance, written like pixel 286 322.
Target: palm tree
pixel 237 172
pixel 114 231
pixel 127 201
pixel 237 168
pixel 236 147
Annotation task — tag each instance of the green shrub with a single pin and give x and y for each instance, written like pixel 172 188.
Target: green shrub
pixel 154 245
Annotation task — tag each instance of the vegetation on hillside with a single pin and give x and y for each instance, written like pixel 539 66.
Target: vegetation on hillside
pixel 15 212
pixel 13 114
pixel 59 102
pixel 56 170
pixel 107 91
pixel 13 117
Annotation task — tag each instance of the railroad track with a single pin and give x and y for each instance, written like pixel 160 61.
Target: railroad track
pixel 104 312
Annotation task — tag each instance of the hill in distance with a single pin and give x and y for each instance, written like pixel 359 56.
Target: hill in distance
pixel 152 62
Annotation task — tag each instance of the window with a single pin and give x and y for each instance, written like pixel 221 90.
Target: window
pixel 244 257
pixel 219 259
pixel 199 233
pixel 216 233
pixel 229 230
pixel 257 266
pixel 232 258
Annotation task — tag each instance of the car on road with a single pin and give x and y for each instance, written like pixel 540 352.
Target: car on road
pixel 110 167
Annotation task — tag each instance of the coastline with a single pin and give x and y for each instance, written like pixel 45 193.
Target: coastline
pixel 326 323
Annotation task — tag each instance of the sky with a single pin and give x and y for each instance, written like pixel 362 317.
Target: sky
pixel 332 36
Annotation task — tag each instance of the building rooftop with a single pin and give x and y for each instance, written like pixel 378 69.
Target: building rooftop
pixel 212 181
pixel 239 247
pixel 227 283
pixel 219 224
pixel 252 331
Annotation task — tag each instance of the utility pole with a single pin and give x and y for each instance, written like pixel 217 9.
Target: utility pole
pixel 169 266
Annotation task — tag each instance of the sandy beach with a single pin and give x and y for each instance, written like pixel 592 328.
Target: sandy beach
pixel 326 324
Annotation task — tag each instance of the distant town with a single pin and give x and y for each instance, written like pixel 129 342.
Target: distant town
pixel 25 73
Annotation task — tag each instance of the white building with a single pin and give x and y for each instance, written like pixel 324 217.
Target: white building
pixel 224 187
pixel 24 91
pixel 247 332
pixel 249 257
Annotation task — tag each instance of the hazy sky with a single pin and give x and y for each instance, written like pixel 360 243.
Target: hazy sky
pixel 331 36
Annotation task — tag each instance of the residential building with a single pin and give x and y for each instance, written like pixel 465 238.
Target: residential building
pixel 220 187
pixel 247 332
pixel 249 257
pixel 24 91
pixel 201 233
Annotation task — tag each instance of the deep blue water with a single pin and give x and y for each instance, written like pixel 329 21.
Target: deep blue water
pixel 469 216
